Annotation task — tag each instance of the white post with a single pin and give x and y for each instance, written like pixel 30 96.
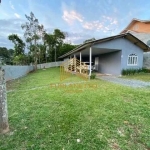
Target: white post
pixel 90 57
pixel 74 62
pixel 80 61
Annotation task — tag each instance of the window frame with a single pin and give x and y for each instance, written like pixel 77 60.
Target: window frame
pixel 132 60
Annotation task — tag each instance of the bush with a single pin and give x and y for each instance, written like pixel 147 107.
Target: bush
pixel 124 72
pixel 134 71
pixel 145 70
pixel 93 75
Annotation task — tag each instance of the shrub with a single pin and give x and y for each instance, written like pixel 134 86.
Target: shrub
pixel 145 70
pixel 124 72
pixel 93 75
pixel 128 71
pixel 134 71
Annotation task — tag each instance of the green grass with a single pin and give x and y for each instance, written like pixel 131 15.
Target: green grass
pixel 140 76
pixel 103 118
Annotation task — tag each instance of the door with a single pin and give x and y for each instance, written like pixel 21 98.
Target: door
pixel 96 63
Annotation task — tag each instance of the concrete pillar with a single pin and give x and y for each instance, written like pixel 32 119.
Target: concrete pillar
pixel 4 127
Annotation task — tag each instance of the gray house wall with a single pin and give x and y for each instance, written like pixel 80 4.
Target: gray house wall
pixel 128 49
pixel 110 63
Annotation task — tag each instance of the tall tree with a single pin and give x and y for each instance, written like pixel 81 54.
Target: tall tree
pixel 54 42
pixel 66 48
pixel 33 32
pixel 19 45
pixel 59 36
pixel 50 42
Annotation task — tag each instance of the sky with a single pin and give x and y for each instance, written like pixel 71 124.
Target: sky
pixel 81 19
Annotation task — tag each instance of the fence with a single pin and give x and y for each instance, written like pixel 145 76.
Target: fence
pixel 49 65
pixel 14 72
pixel 146 60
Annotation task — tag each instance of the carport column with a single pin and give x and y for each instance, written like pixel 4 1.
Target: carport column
pixel 74 62
pixel 90 61
pixel 80 61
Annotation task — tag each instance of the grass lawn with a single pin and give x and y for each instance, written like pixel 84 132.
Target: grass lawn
pixel 105 117
pixel 140 76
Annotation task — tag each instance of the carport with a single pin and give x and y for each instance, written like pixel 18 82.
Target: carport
pixel 106 61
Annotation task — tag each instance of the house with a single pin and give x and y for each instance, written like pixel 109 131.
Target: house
pixel 139 26
pixel 112 54
pixel 140 29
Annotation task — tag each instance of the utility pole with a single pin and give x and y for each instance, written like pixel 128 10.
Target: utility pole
pixel 4 127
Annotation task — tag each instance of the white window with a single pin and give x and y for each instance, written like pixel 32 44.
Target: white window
pixel 132 60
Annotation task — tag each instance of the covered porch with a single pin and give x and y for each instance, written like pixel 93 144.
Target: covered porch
pixel 100 60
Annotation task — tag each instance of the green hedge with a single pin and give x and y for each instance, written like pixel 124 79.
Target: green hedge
pixel 134 71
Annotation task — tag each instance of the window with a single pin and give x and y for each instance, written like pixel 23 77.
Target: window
pixel 132 60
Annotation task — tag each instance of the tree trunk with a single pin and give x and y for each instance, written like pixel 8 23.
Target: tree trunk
pixel 4 127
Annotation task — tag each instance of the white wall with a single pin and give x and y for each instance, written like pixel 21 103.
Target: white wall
pixel 49 65
pixel 14 72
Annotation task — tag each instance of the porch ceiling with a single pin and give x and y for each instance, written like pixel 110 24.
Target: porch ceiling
pixel 96 51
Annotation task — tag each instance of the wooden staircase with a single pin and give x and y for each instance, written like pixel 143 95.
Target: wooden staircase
pixel 73 66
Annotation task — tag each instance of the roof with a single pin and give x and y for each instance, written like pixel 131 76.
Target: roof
pixel 128 36
pixel 145 37
pixel 132 22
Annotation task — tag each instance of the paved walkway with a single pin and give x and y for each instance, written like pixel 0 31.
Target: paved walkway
pixel 126 82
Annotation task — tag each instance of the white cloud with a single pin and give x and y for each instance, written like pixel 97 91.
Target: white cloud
pixel 110 20
pixel 114 22
pixel 17 15
pixel 71 16
pixel 107 18
pixel 94 25
pixel 11 5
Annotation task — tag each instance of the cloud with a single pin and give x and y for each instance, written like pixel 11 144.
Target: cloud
pixel 71 16
pixel 9 26
pixel 114 22
pixel 17 15
pixel 110 20
pixel 11 5
pixel 94 25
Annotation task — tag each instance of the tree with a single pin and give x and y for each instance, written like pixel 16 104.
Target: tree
pixel 50 43
pixel 6 56
pixel 89 40
pixel 59 36
pixel 33 32
pixel 54 42
pixel 66 48
pixel 19 45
